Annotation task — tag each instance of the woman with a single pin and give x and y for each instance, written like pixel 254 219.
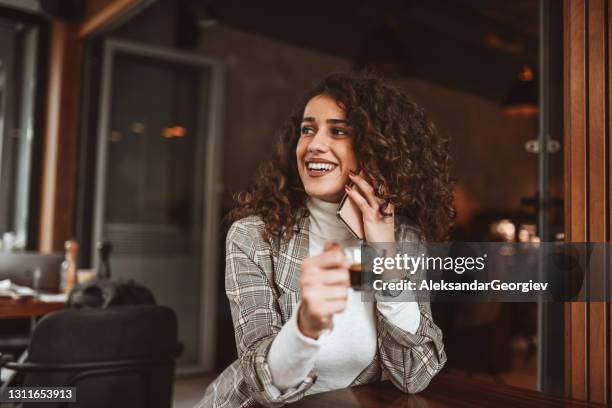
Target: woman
pixel 300 328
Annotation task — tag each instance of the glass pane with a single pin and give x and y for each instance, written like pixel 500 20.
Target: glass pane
pixel 552 315
pixel 153 184
pixel 18 48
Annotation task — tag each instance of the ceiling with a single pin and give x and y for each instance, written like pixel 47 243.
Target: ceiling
pixel 478 46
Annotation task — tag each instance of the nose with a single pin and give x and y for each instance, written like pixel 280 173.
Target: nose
pixel 318 143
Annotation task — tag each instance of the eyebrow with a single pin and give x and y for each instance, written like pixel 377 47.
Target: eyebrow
pixel 331 121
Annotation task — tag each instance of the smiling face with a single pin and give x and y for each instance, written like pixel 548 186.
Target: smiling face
pixel 324 151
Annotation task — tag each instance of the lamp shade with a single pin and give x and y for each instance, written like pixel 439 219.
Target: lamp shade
pixel 522 100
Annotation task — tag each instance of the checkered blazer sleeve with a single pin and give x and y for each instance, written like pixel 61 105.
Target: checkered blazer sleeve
pixel 255 312
pixel 409 360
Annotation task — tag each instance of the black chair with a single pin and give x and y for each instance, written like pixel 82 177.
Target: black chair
pixel 116 357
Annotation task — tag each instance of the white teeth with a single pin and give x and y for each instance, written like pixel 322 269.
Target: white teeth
pixel 321 166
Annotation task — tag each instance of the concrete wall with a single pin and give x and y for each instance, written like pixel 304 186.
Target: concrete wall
pixel 266 78
pixel 491 163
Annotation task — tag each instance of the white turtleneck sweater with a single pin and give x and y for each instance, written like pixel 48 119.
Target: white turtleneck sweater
pixel 341 353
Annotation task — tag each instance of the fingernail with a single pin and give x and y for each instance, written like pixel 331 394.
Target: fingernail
pixel 352 173
pixel 347 187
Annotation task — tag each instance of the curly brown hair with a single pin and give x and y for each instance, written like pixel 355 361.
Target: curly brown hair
pixel 398 148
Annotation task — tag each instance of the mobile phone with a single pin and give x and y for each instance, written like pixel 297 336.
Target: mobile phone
pixel 350 215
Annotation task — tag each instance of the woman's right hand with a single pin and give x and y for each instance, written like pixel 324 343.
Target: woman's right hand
pixel 324 282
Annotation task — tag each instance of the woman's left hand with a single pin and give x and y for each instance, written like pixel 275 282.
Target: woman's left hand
pixel 377 228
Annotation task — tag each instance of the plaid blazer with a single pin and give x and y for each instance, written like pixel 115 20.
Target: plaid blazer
pixel 263 290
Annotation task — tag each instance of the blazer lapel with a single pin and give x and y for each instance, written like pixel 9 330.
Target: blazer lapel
pixel 292 254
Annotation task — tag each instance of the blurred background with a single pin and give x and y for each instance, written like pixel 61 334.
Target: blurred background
pixel 135 122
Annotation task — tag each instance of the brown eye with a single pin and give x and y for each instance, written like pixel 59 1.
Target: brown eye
pixel 340 132
pixel 307 130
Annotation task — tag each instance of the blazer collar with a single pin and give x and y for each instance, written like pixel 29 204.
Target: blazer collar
pixel 300 240
pixel 292 253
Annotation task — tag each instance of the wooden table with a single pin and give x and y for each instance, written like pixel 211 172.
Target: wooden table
pixel 445 390
pixel 26 307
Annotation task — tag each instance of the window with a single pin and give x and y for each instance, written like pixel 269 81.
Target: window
pixel 19 107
